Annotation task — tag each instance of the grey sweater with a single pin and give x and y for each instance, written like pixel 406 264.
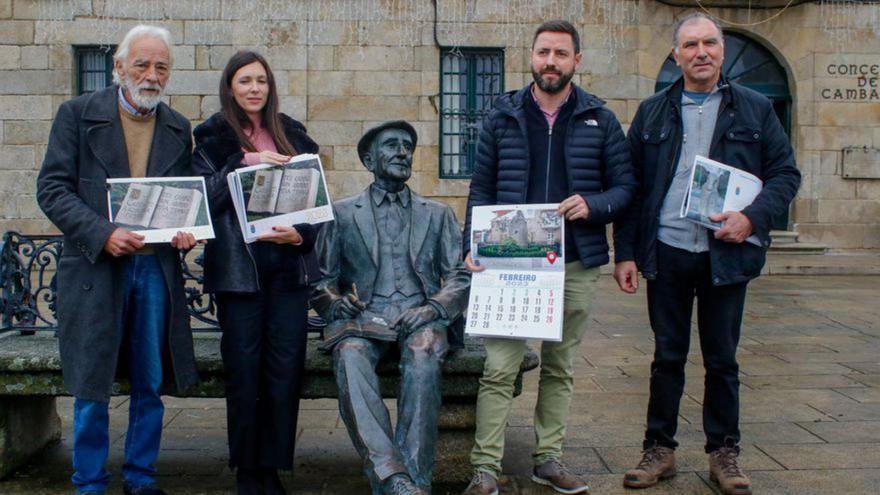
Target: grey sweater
pixel 698 125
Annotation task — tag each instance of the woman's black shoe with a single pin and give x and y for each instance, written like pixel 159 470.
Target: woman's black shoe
pixel 271 483
pixel 247 482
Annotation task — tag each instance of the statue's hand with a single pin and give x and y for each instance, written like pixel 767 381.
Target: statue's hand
pixel 347 307
pixel 414 318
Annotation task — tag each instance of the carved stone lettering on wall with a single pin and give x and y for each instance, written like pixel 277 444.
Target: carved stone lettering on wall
pixel 853 81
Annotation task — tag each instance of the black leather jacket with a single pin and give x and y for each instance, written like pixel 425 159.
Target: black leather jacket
pixel 747 136
pixel 230 265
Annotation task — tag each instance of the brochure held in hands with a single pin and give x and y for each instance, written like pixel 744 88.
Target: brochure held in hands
pixel 159 207
pixel 714 188
pixel 267 195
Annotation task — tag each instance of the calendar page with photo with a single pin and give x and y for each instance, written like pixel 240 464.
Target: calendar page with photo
pixel 521 292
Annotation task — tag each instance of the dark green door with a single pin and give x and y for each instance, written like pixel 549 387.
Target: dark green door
pixel 751 64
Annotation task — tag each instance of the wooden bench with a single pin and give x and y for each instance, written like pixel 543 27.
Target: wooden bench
pixel 30 367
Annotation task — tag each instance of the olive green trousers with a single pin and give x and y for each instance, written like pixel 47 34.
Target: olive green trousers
pixel 555 388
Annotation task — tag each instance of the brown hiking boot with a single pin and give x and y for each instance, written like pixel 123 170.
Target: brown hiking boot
pixel 658 463
pixel 555 475
pixel 482 483
pixel 724 470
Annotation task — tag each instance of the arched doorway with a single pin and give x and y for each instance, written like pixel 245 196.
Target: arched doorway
pixel 749 63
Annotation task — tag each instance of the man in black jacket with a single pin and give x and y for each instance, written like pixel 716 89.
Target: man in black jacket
pixel 550 142
pixel 701 114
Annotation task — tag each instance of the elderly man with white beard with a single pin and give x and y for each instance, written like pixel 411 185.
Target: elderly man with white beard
pixel 121 304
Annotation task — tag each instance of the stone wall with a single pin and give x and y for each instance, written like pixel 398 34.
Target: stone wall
pixel 342 76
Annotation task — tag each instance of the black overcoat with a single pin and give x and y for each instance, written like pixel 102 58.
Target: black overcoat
pixel 86 147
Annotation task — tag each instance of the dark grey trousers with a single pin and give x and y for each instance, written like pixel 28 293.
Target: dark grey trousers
pixel 409 448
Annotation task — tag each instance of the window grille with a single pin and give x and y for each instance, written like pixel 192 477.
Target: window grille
pixel 470 80
pixel 94 67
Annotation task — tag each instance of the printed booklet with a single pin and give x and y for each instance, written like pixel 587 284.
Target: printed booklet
pixel 159 207
pixel 714 188
pixel 267 195
pixel 521 292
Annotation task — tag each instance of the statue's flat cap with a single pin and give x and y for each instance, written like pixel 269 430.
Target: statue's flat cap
pixel 367 138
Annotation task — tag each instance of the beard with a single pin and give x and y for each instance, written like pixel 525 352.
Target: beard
pixel 147 102
pixel 549 87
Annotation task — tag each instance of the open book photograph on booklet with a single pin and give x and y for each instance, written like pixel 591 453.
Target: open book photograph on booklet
pixel 520 294
pixel 159 207
pixel 267 195
pixel 714 188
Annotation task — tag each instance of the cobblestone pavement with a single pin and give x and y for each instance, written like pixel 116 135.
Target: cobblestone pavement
pixel 810 361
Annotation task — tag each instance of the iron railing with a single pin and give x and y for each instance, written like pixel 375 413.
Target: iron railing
pixel 28 287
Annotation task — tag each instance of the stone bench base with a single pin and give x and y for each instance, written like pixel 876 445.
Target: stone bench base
pixel 27 424
pixel 30 379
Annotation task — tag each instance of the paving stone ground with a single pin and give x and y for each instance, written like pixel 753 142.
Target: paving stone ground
pixel 810 362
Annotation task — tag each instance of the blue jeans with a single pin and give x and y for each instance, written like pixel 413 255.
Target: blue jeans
pixel 145 313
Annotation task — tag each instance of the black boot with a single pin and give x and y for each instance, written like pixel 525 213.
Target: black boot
pixel 271 483
pixel 247 482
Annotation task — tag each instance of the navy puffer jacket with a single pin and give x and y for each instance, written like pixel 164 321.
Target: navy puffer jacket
pixel 597 162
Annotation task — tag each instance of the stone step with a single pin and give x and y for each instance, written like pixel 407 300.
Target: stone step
pixel 783 236
pixel 798 248
pixel 785 263
pixel 786 241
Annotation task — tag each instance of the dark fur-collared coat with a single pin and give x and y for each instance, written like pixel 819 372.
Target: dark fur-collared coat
pixel 229 265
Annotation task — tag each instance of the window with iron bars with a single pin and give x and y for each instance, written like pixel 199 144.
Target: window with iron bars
pixel 94 67
pixel 470 80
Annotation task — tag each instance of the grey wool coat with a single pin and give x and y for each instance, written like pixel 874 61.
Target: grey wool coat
pixel 86 147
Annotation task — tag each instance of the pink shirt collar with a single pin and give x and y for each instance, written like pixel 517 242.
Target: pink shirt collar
pixel 550 116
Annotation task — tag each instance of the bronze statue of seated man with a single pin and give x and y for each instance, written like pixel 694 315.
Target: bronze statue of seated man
pixel 393 281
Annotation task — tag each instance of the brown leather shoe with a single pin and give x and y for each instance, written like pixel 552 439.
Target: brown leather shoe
pixel 724 470
pixel 482 483
pixel 658 463
pixel 555 475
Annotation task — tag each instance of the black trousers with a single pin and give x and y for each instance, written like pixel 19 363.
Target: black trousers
pixel 681 276
pixel 263 348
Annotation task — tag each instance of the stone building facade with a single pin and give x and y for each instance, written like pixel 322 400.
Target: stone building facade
pixel 341 69
pixel 536 228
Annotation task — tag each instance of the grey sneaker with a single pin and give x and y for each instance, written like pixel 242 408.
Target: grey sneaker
pixel 482 483
pixel 555 475
pixel 401 484
pixel 658 463
pixel 724 470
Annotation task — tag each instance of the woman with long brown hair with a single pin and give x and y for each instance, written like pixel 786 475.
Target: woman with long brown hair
pixel 261 288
